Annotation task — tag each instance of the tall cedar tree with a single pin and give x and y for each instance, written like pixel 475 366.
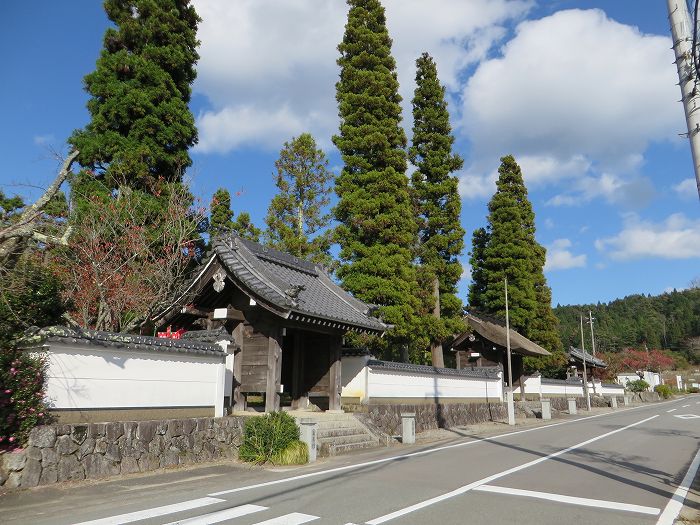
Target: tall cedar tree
pixel 441 237
pixel 377 230
pixel 295 218
pixel 141 126
pixel 508 249
pixel 221 218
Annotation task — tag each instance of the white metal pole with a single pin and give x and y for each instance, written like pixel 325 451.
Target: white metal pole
pixel 585 374
pixel 681 28
pixel 511 401
pixel 590 320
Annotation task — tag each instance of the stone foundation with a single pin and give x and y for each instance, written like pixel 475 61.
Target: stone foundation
pixel 387 418
pixel 98 450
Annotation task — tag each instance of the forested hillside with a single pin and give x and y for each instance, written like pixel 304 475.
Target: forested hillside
pixel 669 320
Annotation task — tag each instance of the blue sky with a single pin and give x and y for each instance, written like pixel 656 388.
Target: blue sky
pixel 582 93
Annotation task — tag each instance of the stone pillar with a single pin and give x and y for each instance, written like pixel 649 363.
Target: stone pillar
pixel 274 372
pixel 572 406
pixel 408 428
pixel 613 402
pixel 308 429
pixel 546 409
pixel 628 400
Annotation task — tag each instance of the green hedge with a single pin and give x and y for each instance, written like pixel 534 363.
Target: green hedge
pixel 265 438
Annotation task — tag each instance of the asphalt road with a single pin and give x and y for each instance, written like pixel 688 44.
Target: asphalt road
pixel 622 467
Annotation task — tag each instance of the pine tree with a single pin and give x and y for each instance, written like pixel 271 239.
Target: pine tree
pixel 220 215
pixel 141 126
pixel 508 248
pixel 377 229
pixel 441 237
pixel 296 217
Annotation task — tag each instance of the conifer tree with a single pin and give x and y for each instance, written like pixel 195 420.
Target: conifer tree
pixel 508 248
pixel 377 229
pixel 221 216
pixel 296 216
pixel 141 126
pixel 438 206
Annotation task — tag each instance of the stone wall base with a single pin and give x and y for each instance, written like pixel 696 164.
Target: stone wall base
pixel 98 450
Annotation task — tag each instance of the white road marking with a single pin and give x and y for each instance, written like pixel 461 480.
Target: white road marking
pixel 157 485
pixel 413 454
pixel 672 410
pixel 295 518
pixel 685 406
pixel 221 515
pixel 586 502
pixel 466 488
pixel 675 504
pixel 154 512
pixel 687 416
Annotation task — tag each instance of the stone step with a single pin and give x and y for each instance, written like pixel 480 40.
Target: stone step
pixel 344 440
pixel 334 450
pixel 340 431
pixel 339 424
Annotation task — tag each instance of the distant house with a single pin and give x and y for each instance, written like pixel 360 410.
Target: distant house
pixel 485 345
pixel 286 318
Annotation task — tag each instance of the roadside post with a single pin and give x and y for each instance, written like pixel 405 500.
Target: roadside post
pixel 408 428
pixel 572 406
pixel 546 409
pixel 613 402
pixel 308 428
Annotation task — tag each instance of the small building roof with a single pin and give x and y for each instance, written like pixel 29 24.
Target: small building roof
pixel 95 338
pixel 290 287
pixel 483 372
pixel 494 331
pixel 577 355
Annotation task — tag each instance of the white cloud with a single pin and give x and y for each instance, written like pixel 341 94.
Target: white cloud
pixel 675 238
pixel 687 189
pixel 629 192
pixel 549 223
pixel 560 257
pixel 476 186
pixel 41 140
pixel 268 68
pixel 565 95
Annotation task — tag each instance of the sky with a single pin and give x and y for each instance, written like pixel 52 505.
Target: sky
pixel 583 93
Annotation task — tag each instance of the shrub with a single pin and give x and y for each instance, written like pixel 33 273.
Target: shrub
pixel 664 391
pixel 22 404
pixel 638 386
pixel 297 453
pixel 267 436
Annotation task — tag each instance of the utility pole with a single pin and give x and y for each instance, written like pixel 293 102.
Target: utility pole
pixel 590 320
pixel 682 31
pixel 585 373
pixel 510 400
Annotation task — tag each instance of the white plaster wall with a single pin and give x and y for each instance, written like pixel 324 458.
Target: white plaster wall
pixel 82 377
pixel 606 390
pixel 354 374
pixel 385 384
pixel 562 390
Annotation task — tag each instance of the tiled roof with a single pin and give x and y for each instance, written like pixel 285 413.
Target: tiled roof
pixel 63 334
pixel 492 330
pixel 576 354
pixel 484 372
pixel 207 336
pixel 294 288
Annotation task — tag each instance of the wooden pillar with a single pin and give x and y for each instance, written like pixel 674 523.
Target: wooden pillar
pixel 300 397
pixel 239 400
pixel 336 384
pixel 274 371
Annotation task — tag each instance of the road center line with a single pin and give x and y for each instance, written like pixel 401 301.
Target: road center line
pixel 466 488
pixel 154 512
pixel 414 454
pixel 675 504
pixel 586 502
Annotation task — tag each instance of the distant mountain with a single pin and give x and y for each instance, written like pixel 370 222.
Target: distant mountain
pixel 667 321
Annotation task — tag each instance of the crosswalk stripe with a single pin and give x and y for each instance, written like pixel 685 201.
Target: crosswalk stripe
pixel 295 518
pixel 220 515
pixel 152 513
